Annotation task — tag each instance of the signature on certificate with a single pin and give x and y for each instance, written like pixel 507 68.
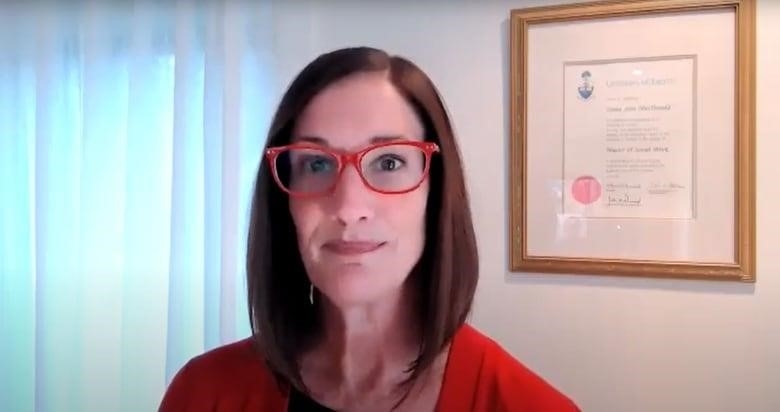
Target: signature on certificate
pixel 624 199
pixel 624 194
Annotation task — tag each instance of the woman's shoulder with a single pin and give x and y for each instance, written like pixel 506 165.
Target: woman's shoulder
pixel 481 373
pixel 229 377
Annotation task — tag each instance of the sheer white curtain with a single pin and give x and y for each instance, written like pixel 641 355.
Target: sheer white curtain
pixel 129 135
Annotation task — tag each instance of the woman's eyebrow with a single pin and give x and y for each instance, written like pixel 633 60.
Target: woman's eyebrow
pixel 387 138
pixel 312 139
pixel 375 139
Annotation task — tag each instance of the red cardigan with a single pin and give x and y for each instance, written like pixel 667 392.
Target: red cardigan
pixel 479 376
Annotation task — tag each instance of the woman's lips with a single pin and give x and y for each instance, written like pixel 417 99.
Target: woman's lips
pixel 342 247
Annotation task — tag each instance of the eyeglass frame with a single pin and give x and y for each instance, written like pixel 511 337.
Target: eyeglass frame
pixel 346 158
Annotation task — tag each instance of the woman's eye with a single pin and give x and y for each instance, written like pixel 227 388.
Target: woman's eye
pixel 389 163
pixel 317 165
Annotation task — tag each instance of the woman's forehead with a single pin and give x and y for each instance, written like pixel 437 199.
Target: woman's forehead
pixel 358 111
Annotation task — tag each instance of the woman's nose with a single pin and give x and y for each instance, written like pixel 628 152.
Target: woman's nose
pixel 352 200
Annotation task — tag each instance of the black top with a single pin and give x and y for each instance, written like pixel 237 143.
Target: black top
pixel 300 402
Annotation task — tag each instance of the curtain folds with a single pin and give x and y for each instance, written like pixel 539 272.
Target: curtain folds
pixel 130 133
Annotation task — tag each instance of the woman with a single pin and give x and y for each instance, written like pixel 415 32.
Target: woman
pixel 362 261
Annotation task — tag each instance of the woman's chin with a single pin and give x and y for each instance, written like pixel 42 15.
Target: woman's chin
pixel 355 289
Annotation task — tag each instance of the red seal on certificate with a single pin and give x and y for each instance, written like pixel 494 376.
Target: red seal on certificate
pixel 586 189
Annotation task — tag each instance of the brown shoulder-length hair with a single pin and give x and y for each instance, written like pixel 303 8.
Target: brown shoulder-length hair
pixel 283 320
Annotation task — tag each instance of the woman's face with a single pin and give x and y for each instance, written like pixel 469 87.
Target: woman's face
pixel 359 245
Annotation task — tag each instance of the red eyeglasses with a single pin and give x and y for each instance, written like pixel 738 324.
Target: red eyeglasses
pixel 307 169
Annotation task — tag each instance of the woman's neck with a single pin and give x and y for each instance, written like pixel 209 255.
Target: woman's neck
pixel 368 346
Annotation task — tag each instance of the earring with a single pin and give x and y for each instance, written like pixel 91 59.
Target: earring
pixel 311 293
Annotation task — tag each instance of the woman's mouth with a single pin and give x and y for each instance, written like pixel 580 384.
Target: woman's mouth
pixel 349 248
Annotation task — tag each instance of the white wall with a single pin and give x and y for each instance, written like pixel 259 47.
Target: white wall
pixel 612 344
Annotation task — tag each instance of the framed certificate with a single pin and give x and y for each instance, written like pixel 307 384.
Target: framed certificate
pixel 632 139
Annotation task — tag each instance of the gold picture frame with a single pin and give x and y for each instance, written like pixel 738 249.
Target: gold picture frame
pixel 628 220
